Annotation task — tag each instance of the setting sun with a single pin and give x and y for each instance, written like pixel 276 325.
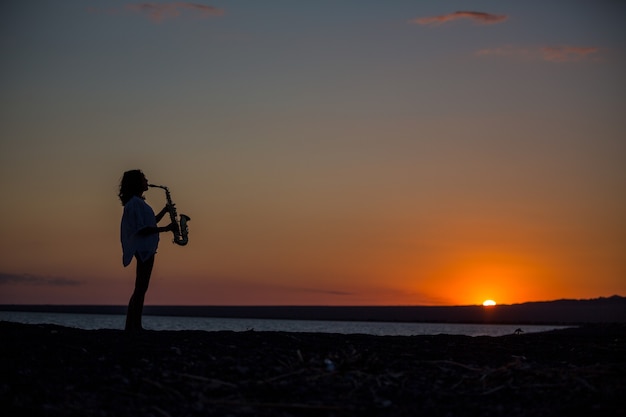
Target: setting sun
pixel 489 303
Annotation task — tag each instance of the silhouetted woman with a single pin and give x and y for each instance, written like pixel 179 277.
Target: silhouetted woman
pixel 140 239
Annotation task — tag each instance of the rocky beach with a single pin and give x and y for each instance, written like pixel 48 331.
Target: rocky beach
pixel 49 370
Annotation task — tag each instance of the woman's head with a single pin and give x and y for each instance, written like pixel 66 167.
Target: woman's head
pixel 133 183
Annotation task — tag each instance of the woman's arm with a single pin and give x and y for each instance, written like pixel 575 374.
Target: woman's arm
pixel 152 230
pixel 162 213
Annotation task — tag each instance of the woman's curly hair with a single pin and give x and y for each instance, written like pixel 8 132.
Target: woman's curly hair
pixel 131 185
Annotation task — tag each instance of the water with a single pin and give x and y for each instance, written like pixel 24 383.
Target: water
pixel 109 321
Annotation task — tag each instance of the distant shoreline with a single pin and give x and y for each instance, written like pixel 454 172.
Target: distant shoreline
pixel 569 312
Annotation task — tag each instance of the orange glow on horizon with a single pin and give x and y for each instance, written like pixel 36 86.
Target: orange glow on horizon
pixel 467 276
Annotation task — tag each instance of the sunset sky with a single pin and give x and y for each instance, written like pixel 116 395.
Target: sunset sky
pixel 327 152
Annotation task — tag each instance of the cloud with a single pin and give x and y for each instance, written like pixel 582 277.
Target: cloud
pixel 478 17
pixel 545 53
pixel 27 279
pixel 321 291
pixel 566 53
pixel 158 12
pixel 293 289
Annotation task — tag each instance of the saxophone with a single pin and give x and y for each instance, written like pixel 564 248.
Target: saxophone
pixel 181 232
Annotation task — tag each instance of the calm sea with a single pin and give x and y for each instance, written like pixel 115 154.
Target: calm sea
pixel 106 321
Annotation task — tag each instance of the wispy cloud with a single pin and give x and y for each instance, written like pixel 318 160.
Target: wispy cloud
pixel 314 290
pixel 478 17
pixel 158 12
pixel 27 279
pixel 567 53
pixel 322 291
pixel 545 53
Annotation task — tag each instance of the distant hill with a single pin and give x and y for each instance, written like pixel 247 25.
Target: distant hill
pixel 598 310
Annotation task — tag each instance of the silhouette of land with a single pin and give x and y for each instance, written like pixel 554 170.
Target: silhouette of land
pixel 55 371
pixel 598 310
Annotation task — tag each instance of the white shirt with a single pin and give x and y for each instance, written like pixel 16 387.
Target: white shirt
pixel 137 215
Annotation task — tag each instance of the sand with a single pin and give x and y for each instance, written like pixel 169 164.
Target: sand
pixel 50 370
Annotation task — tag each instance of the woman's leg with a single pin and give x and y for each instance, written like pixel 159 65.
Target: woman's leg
pixel 135 305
